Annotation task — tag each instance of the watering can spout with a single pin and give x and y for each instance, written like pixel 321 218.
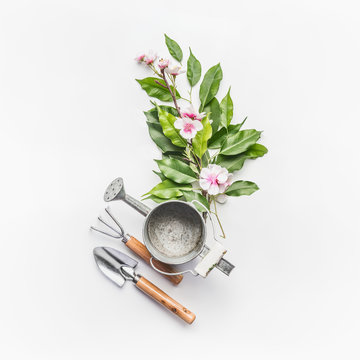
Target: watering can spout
pixel 116 191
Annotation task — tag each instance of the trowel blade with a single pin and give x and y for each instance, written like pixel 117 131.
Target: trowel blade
pixel 110 262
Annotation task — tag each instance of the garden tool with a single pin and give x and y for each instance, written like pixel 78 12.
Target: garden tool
pixel 136 246
pixel 116 191
pixel 119 267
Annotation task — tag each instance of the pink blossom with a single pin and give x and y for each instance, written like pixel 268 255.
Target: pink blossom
pixel 191 113
pixel 215 179
pixel 150 57
pixel 140 58
pixel 163 63
pixel 175 70
pixel 188 128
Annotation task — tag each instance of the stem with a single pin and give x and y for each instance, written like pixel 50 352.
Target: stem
pixel 172 79
pixel 195 157
pixel 217 217
pixel 216 154
pixel 152 67
pixel 189 161
pixel 186 99
pixel 190 92
pixel 171 93
pixel 159 83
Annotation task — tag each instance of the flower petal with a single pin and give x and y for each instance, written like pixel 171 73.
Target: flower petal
pixel 204 184
pixel 229 180
pixel 191 109
pixel 179 123
pixel 213 189
pixel 216 169
pixel 185 135
pixel 198 125
pixel 222 176
pixel 205 172
pixel 222 188
pixel 193 133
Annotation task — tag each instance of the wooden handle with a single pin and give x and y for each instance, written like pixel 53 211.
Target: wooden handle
pixel 140 249
pixel 153 291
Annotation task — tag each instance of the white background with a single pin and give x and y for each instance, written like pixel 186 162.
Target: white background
pixel 71 121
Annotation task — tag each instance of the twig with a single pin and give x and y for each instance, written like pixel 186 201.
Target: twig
pixel 218 219
pixel 171 93
pixel 159 83
pixel 189 160
pixel 186 99
pixel 152 67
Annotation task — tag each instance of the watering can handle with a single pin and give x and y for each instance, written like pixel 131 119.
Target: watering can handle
pixel 171 273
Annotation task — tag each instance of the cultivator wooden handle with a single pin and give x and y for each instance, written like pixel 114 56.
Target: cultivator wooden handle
pixel 140 249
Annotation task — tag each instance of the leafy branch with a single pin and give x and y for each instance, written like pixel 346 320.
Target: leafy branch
pixel 201 146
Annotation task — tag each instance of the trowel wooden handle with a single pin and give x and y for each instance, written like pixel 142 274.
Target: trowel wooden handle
pixel 165 300
pixel 140 249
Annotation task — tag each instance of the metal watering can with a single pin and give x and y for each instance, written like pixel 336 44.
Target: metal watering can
pixel 174 233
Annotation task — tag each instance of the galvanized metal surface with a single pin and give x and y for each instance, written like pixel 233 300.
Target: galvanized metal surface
pixel 116 191
pixel 174 232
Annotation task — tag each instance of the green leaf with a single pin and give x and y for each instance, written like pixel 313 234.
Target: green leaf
pixel 217 139
pixel 153 88
pixel 210 85
pixel 242 123
pixel 220 136
pixel 231 163
pixel 159 200
pixel 205 159
pixel 193 69
pixel 174 49
pixel 239 142
pixel 227 109
pixel 160 175
pixel 239 188
pixel 157 135
pixel 201 138
pixel 177 171
pixel 152 114
pixel 255 151
pixel 167 123
pixel 177 156
pixel 168 189
pixel 234 128
pixel 192 195
pixel 213 107
pixel 236 162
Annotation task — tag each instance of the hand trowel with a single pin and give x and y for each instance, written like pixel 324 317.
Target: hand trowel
pixel 119 267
